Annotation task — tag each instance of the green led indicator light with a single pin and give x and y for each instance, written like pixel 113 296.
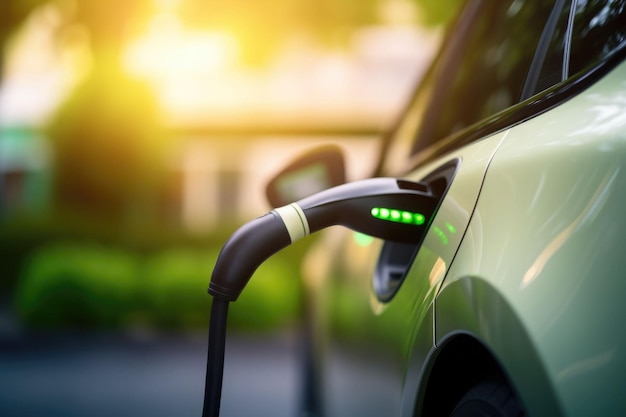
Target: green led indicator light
pixel 398 216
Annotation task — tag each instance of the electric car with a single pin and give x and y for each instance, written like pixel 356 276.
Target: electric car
pixel 512 302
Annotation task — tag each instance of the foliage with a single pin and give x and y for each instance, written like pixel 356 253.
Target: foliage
pixel 72 285
pixel 108 145
pixel 109 21
pixel 271 297
pixel 173 288
pixel 262 26
pixel 13 14
pixel 76 285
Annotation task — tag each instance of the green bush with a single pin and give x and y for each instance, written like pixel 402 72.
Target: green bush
pixel 92 286
pixel 271 297
pixel 176 283
pixel 173 288
pixel 76 286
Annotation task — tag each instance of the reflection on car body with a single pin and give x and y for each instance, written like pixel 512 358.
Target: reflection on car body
pixel 512 303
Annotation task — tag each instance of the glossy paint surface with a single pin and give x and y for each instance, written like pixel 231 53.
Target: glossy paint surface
pixel 546 245
pixel 377 350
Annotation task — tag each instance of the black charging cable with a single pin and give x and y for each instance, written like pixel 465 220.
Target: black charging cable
pixel 215 358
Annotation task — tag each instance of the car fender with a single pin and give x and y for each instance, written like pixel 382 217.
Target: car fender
pixel 542 259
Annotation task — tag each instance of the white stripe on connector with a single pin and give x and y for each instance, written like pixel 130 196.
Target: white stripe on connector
pixel 295 221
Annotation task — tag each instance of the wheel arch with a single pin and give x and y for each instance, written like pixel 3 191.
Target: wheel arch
pixel 478 334
pixel 459 363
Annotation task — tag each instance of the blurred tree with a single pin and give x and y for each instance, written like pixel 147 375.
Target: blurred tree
pixel 12 15
pixel 110 21
pixel 107 137
pixel 262 26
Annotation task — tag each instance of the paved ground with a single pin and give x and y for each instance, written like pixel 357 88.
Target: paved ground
pixel 99 375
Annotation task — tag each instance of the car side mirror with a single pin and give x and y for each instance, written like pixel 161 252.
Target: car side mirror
pixel 316 170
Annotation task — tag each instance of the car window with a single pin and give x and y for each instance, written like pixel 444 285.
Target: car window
pixel 599 29
pixel 488 74
pixel 548 63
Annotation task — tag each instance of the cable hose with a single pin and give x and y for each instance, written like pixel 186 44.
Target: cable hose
pixel 215 358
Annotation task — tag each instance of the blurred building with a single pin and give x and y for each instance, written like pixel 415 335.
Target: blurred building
pixel 234 126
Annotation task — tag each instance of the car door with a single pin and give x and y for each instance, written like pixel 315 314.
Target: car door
pixel 372 306
pixel 542 261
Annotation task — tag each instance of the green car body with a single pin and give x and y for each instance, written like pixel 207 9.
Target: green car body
pixel 546 244
pixel 521 273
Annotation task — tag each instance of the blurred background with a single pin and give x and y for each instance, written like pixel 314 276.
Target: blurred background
pixel 135 136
